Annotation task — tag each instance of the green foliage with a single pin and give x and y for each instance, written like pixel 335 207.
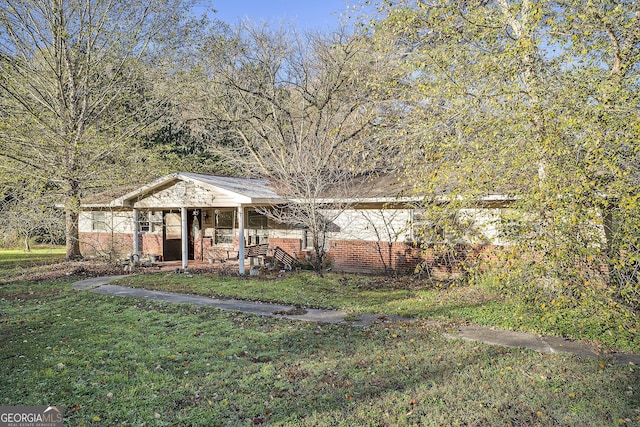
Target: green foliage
pixel 589 311
pixel 536 100
pixel 181 148
pixel 79 80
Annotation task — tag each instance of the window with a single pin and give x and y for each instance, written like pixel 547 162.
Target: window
pixel 224 218
pixel 306 243
pixel 257 228
pixel 98 221
pixel 224 221
pixel 257 221
pixel 144 224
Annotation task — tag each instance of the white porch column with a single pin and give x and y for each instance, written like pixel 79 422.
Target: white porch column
pixel 185 239
pixel 241 240
pixel 136 233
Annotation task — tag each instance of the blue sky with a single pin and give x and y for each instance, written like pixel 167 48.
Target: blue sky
pixel 304 14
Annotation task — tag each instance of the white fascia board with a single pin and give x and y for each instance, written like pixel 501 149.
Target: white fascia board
pixel 352 201
pixel 335 200
pixel 98 205
pixel 268 202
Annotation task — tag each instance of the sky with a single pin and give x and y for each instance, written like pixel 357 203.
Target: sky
pixel 304 14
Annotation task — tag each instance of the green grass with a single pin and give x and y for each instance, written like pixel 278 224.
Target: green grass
pixel 113 361
pixel 613 330
pixel 11 258
pixel 117 361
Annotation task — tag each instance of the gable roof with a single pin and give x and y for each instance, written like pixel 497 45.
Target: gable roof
pixel 244 190
pixel 253 188
pixel 379 189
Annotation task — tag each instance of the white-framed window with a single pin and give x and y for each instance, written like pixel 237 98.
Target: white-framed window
pixel 257 228
pixel 224 223
pixel 144 221
pixel 98 221
pixel 307 241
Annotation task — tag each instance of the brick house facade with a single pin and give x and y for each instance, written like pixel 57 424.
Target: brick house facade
pixel 212 212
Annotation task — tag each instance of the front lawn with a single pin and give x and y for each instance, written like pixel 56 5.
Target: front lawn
pixel 114 361
pixel 408 297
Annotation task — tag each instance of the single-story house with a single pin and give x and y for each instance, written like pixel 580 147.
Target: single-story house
pixel 187 216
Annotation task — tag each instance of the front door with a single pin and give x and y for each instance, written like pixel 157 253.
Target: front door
pixel 172 236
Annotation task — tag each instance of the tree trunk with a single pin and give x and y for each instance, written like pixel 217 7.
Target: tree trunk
pixel 319 258
pixel 72 215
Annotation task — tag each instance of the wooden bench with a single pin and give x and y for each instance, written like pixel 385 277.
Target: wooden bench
pixel 284 258
pixel 254 251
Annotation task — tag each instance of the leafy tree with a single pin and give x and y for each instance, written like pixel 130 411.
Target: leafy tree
pixel 297 112
pixel 77 78
pixel 533 99
pixel 186 148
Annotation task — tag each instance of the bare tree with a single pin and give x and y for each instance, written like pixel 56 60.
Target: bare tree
pixel 300 115
pixel 75 87
pixel 27 210
pixel 389 226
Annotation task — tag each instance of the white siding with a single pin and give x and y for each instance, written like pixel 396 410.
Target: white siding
pixel 485 225
pixel 371 224
pixel 115 222
pixel 395 225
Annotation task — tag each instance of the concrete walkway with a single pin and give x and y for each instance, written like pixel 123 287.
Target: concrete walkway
pixel 543 344
pixel 100 285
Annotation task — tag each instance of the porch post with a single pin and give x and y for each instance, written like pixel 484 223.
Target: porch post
pixel 136 232
pixel 241 240
pixel 185 239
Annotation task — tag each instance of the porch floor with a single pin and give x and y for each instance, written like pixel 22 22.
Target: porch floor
pixel 227 267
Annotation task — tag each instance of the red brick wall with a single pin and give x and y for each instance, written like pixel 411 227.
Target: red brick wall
pixel 356 256
pixel 350 256
pixel 118 244
pixel 236 243
pixel 205 250
pixel 150 244
pixel 106 244
pixel 289 245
